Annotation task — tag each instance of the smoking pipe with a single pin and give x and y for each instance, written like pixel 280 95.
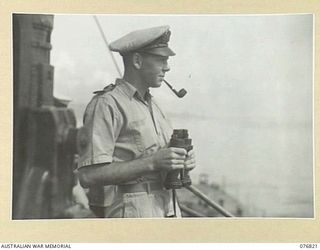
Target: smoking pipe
pixel 181 93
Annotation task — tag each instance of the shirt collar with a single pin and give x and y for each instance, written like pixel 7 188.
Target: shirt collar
pixel 126 87
pixel 130 90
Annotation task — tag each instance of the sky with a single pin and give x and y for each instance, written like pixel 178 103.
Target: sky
pixel 249 101
pixel 228 62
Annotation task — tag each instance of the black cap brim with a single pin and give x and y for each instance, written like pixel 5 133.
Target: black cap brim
pixel 160 51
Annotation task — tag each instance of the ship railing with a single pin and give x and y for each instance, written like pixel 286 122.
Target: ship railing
pixel 207 200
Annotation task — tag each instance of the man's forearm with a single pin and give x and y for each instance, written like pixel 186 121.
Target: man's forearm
pixel 114 173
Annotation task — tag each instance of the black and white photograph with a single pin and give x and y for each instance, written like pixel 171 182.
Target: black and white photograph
pixel 163 116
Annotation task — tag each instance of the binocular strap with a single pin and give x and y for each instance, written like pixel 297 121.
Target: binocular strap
pixel 174 202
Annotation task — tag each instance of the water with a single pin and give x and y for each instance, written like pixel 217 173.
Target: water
pixel 266 165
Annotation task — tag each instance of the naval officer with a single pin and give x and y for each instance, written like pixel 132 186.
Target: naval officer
pixel 128 156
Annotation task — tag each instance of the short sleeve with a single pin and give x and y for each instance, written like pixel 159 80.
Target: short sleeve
pixel 103 121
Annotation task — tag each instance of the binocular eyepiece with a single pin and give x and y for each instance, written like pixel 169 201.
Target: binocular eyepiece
pixel 179 178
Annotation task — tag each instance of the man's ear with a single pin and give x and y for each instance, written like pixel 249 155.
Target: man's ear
pixel 137 60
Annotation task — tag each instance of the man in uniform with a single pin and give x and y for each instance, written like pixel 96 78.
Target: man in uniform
pixel 128 156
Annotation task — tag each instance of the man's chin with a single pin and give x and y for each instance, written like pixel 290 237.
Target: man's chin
pixel 156 84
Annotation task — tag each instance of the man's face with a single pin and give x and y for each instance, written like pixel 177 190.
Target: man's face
pixel 153 69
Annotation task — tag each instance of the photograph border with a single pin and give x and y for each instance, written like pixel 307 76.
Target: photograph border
pixel 146 230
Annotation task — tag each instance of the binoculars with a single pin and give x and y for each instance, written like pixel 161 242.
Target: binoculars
pixel 179 178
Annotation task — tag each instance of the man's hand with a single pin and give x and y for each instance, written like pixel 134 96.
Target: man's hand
pixel 190 161
pixel 170 159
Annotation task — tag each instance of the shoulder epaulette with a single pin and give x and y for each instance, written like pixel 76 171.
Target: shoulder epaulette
pixel 108 88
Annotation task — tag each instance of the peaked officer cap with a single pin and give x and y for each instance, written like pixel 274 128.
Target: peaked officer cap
pixel 152 40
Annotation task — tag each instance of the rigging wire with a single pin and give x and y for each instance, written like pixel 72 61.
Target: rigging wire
pixel 107 44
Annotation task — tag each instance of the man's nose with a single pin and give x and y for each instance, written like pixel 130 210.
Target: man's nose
pixel 166 68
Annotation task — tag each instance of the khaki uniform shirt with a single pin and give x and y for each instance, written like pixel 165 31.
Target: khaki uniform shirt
pixel 123 127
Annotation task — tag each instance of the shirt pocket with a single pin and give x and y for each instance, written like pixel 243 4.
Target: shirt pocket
pixel 142 134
